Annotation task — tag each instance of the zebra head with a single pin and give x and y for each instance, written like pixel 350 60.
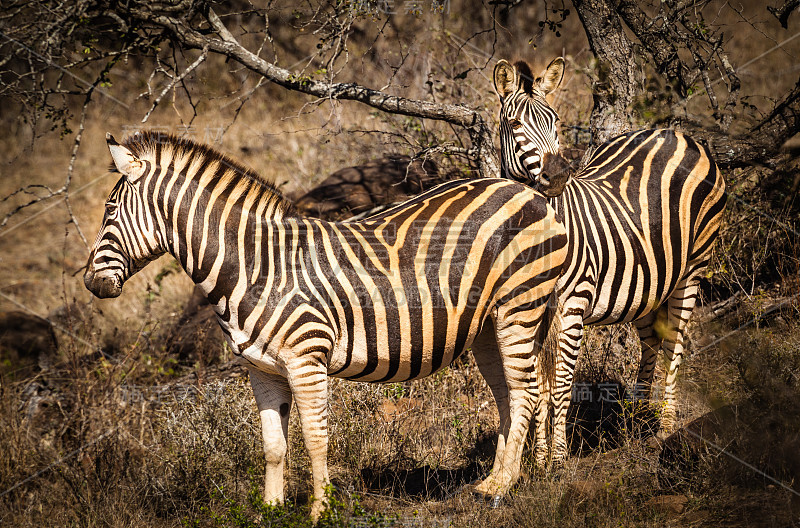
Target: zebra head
pixel 127 240
pixel 527 122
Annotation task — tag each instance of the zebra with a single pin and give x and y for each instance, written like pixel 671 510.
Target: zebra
pixel 641 220
pixel 394 297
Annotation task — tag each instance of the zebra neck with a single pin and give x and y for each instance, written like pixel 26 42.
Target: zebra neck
pixel 260 273
pixel 218 236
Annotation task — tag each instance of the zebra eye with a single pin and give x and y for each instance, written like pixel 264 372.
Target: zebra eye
pixel 515 124
pixel 111 208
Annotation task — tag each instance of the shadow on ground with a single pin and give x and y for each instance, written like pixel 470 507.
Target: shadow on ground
pixel 603 414
pixel 432 483
pixel 599 421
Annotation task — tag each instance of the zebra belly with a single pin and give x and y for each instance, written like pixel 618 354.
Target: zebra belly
pixel 355 363
pixel 427 369
pixel 612 301
pixel 257 357
pixel 417 353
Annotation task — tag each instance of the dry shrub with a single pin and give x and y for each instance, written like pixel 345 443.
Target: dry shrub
pixel 767 419
pixel 70 454
pixel 182 451
pixel 739 457
pixel 416 438
pixel 211 441
pixel 759 244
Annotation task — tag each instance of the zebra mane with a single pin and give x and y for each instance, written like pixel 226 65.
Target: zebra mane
pixel 151 144
pixel 525 76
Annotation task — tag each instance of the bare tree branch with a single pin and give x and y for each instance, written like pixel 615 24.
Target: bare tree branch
pixel 672 29
pixel 653 33
pixel 782 13
pixel 49 55
pixel 762 144
pixel 175 81
pixel 480 133
pixel 64 189
pixel 676 26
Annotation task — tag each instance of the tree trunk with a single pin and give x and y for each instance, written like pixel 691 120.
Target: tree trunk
pixel 618 80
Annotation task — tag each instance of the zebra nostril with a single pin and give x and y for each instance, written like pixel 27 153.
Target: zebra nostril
pixel 108 287
pixel 88 278
pixel 104 286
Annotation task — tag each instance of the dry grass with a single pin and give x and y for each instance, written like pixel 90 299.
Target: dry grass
pixel 186 451
pixel 118 432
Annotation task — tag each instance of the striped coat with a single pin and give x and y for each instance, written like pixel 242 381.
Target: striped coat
pixel 395 297
pixel 641 220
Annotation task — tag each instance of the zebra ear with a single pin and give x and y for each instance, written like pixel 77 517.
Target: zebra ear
pixel 551 76
pixel 505 78
pixel 126 163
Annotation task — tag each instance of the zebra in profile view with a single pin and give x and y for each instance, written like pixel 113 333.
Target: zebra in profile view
pixel 641 220
pixel 394 297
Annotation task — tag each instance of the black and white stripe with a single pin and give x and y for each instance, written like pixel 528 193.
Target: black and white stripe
pixel 393 297
pixel 641 220
pixel 528 125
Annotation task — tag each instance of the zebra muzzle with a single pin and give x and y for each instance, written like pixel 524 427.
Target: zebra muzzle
pixel 102 286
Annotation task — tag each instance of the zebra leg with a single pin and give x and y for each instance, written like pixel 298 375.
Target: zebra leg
pixel 308 378
pixel 569 345
pixel 487 357
pixel 650 337
pixel 542 419
pixel 515 343
pixel 679 307
pixel 274 400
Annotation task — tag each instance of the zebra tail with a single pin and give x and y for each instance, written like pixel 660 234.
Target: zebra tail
pixel 547 342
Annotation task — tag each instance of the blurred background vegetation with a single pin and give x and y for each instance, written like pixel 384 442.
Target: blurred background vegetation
pixel 129 412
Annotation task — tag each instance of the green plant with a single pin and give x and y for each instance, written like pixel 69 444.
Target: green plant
pixel 253 512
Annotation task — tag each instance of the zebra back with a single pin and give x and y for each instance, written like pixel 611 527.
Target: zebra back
pixel 392 297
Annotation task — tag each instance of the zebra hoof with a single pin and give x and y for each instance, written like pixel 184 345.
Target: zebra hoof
pixel 488 491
